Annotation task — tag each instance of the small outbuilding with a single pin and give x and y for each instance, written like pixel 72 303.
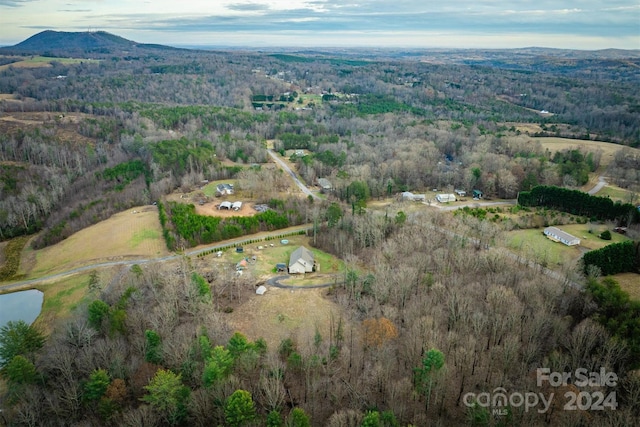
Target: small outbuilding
pixel 261 290
pixel 407 195
pixel 236 206
pixel 280 267
pixel 224 205
pixel 558 235
pixel 301 261
pixel 445 198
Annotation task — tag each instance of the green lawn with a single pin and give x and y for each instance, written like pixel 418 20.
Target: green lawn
pixel 534 245
pixel 269 256
pixel 616 194
pixel 142 235
pixel 47 59
pixel 209 190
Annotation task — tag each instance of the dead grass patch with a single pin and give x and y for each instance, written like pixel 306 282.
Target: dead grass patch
pixel 630 283
pixel 287 313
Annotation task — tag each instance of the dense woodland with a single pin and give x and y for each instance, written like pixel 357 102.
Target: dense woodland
pixel 429 313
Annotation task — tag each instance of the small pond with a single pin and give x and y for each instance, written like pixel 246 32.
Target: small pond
pixel 22 305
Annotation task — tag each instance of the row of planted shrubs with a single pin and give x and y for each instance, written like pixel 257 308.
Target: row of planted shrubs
pixel 249 242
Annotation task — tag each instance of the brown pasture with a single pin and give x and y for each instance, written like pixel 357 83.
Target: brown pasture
pixel 134 233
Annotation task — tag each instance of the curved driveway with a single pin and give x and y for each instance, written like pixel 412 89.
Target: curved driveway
pixel 275 282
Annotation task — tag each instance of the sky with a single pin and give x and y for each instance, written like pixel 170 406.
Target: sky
pixel 576 24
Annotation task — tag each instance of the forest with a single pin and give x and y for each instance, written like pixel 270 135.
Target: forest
pixel 431 311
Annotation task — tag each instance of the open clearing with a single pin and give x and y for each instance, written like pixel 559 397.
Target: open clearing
pixel 131 234
pixel 609 149
pixel 288 313
pixel 45 61
pixel 533 244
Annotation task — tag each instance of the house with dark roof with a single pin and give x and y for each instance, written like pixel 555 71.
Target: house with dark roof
pixel 558 235
pixel 301 261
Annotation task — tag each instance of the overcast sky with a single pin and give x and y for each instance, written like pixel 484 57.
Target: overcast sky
pixel 579 24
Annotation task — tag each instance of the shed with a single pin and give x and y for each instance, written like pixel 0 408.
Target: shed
pixel 445 198
pixel 477 194
pixel 236 206
pixel 558 235
pixel 460 193
pixel 281 266
pixel 225 205
pixel 301 261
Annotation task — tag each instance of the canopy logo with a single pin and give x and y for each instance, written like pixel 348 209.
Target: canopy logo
pixel 594 399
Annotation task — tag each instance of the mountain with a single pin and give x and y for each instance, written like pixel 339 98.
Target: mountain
pixel 62 43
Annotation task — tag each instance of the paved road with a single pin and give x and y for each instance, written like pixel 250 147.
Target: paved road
pixel 601 183
pixel 287 169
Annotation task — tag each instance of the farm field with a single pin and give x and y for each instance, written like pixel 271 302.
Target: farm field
pixel 130 234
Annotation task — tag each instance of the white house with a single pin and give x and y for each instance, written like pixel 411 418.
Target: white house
pixel 444 198
pixel 558 235
pixel 301 261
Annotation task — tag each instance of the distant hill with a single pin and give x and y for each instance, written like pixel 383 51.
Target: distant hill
pixel 62 43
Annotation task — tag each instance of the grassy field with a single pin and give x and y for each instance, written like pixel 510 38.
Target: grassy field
pixel 45 61
pixel 630 283
pixel 534 245
pixel 269 256
pixel 61 298
pixel 126 235
pixel 616 193
pixel 609 149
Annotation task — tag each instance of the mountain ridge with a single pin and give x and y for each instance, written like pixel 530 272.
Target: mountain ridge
pixel 65 43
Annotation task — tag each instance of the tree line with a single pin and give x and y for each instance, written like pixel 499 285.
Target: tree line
pixel 579 203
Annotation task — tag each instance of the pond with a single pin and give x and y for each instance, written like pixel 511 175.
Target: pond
pixel 23 305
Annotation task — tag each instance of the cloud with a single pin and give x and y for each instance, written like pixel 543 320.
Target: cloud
pixel 338 20
pixel 14 3
pixel 248 7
